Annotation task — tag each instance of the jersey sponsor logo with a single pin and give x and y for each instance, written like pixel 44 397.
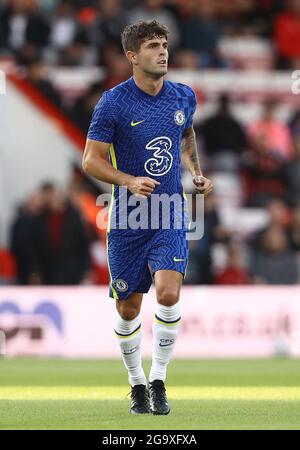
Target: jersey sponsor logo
pixel 178 259
pixel 134 124
pixel 120 285
pixel 161 161
pixel 179 117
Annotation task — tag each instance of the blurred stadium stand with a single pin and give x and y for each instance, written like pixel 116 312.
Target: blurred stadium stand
pixel 59 56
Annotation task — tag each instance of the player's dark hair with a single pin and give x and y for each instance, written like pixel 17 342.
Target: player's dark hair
pixel 134 35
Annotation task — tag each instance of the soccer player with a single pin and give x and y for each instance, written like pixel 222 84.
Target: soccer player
pixel 140 132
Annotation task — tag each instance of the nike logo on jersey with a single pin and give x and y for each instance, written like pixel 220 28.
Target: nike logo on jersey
pixel 178 259
pixel 134 124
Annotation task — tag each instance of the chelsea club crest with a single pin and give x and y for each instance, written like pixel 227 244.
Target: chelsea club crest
pixel 120 285
pixel 179 117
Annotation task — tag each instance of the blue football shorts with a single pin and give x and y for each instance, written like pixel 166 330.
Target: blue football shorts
pixel 134 259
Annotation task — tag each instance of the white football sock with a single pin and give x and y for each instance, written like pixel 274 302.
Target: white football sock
pixel 165 329
pixel 129 336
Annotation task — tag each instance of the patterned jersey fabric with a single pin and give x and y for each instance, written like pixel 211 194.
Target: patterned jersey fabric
pixel 145 133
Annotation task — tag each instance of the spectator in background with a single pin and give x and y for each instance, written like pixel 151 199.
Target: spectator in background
pixel 36 75
pixel 22 236
pixel 287 36
pixel 48 6
pixel 274 262
pixel 83 198
pixel 60 244
pixel 275 134
pixel 21 24
pixel 155 10
pixel 64 26
pixel 294 230
pixel 263 167
pixel 201 33
pixel 83 3
pixel 235 271
pixel 224 137
pixel 185 59
pixel 199 269
pixel 82 111
pixel 279 215
pixel 69 43
pixel 250 17
pixel 293 174
pixel 78 53
pixel 117 66
pixel 294 123
pixel 95 217
pixel 110 20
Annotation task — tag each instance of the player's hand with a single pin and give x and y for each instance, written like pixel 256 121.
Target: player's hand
pixel 203 185
pixel 142 186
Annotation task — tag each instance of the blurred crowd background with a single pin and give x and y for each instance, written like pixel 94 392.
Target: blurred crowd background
pixel 87 32
pixel 54 238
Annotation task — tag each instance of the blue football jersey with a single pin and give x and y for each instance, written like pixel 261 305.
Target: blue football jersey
pixel 145 133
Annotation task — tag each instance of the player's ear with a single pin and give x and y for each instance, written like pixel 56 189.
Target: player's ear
pixel 131 56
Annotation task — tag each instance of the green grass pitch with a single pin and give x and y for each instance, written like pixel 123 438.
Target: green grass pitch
pixel 204 394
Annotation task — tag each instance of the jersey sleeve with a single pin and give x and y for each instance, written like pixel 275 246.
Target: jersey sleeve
pixel 103 123
pixel 192 103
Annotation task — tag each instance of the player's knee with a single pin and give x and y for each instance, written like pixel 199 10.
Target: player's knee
pixel 127 312
pixel 168 296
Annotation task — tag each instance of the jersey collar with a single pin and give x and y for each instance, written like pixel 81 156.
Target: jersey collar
pixel 143 93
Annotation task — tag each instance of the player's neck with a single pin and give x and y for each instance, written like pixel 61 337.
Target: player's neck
pixel 148 85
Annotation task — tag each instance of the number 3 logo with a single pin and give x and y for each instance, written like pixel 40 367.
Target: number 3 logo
pixel 162 160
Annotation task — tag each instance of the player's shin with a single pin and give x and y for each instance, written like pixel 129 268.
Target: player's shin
pixel 165 330
pixel 129 336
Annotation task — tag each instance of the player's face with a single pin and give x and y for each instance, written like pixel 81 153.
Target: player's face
pixel 153 57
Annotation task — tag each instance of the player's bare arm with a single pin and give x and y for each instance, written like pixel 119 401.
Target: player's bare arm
pixel 96 164
pixel 190 159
